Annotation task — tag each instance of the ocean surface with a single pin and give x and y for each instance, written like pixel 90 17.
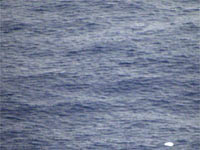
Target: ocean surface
pixel 100 74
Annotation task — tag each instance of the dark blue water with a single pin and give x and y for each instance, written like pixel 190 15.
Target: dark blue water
pixel 100 75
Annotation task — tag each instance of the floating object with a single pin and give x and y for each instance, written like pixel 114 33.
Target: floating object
pixel 169 144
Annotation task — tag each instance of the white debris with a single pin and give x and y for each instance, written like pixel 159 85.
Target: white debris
pixel 169 144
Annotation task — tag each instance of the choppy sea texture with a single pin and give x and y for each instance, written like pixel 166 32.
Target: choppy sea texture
pixel 100 75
